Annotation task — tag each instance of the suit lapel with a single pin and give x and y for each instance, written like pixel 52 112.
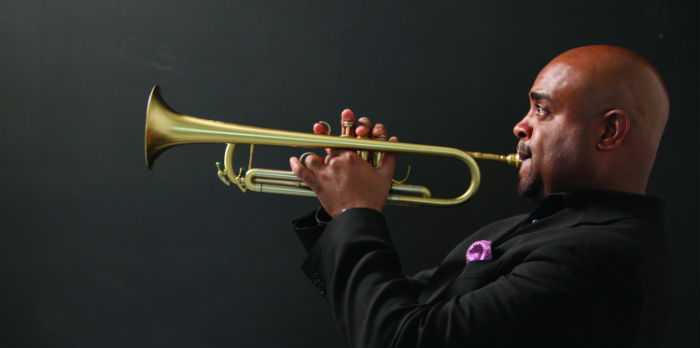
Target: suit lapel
pixel 455 261
pixel 499 232
pixel 573 211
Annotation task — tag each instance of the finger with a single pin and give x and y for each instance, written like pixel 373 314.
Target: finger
pixel 313 162
pixel 379 130
pixel 347 116
pixel 388 162
pixel 387 165
pixel 320 129
pixel 302 173
pixel 332 153
pixel 335 152
pixel 296 166
pixel 364 125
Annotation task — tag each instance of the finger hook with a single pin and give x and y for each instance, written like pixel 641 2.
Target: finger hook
pixel 398 182
pixel 325 125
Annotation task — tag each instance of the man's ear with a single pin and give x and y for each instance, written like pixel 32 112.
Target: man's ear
pixel 616 124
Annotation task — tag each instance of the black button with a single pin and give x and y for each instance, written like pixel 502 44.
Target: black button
pixel 318 283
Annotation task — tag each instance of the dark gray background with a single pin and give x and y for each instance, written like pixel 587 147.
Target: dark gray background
pixel 95 250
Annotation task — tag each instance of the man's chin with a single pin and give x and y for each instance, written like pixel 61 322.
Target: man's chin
pixel 530 188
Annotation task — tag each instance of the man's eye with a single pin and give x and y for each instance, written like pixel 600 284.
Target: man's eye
pixel 541 111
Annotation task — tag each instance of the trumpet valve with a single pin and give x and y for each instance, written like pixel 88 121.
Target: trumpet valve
pixel 377 155
pixel 347 127
pixel 364 154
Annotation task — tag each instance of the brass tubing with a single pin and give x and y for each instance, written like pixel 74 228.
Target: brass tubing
pixel 166 128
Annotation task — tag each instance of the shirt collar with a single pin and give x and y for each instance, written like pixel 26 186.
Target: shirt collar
pixel 602 205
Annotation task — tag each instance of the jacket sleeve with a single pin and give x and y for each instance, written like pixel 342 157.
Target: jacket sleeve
pixel 310 226
pixel 356 268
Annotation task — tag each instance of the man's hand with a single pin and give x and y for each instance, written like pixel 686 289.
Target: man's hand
pixel 343 180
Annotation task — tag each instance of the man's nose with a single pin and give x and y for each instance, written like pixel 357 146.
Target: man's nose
pixel 522 129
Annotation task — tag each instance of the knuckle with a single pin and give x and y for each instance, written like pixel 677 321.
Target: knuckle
pixel 347 156
pixel 334 164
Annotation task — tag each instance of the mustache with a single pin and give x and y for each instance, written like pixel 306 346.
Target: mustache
pixel 523 148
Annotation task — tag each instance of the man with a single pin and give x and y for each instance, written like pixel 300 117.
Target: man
pixel 588 266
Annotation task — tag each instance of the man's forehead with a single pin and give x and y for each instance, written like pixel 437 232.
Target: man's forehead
pixel 554 79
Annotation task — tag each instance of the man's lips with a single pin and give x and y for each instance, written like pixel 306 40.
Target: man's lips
pixel 524 151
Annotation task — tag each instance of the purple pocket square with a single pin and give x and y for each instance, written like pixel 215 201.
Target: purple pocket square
pixel 479 251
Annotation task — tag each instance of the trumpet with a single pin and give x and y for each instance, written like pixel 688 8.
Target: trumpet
pixel 166 128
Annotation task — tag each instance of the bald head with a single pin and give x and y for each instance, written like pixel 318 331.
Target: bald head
pixel 596 118
pixel 615 77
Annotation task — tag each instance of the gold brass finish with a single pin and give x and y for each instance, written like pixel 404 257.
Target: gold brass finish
pixel 166 128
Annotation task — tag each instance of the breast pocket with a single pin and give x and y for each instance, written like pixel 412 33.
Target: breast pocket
pixel 476 274
pixel 480 269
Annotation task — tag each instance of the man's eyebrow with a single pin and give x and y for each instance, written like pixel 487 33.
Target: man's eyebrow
pixel 539 96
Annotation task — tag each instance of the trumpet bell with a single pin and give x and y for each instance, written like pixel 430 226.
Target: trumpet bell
pixel 158 117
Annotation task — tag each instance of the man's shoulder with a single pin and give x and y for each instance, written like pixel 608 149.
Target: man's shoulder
pixel 505 222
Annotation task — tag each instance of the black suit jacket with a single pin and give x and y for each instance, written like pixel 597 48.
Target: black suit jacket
pixel 591 269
